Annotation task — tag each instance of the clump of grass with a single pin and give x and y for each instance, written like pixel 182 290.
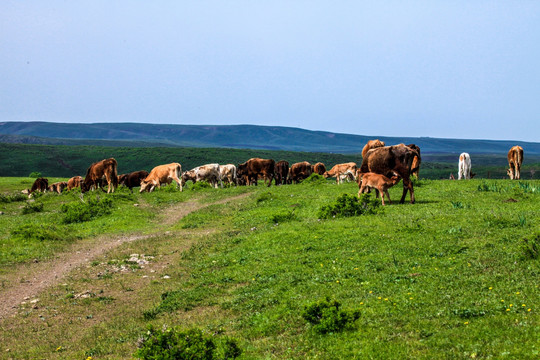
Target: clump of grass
pixel 531 247
pixel 85 211
pixel 349 205
pixel 39 232
pixel 5 199
pixel 457 205
pixel 326 316
pixel 283 217
pixel 315 179
pixel 190 344
pixel 265 196
pixel 200 185
pixel 32 207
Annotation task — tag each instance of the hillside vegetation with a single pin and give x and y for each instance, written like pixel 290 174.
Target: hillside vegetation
pixel 67 161
pixel 247 137
pixel 452 276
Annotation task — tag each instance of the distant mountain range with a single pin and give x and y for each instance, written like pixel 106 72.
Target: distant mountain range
pixel 233 136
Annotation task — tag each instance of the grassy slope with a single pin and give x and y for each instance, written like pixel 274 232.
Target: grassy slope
pixel 444 278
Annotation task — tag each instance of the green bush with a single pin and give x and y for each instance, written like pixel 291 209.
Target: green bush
pixel 32 207
pixel 326 317
pixel 12 198
pixel 35 174
pixel 314 179
pixel 38 232
pixel 349 205
pixel 283 217
pixel 264 197
pixel 191 344
pixel 85 211
pixel 200 185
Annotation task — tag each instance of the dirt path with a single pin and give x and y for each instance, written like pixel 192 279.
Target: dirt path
pixel 29 280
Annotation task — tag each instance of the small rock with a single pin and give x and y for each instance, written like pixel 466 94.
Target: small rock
pixel 135 205
pixel 34 301
pixel 166 277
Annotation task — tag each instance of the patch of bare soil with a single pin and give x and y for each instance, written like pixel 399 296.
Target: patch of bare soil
pixel 26 281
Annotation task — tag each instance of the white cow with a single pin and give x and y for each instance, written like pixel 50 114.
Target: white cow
pixel 228 173
pixel 464 166
pixel 209 173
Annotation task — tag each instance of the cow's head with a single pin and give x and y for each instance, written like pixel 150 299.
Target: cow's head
pixel 188 175
pixel 145 186
pixel 85 186
pixel 510 174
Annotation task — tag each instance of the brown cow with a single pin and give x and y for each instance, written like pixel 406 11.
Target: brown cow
pixel 319 168
pixel 74 182
pixel 40 184
pixel 299 172
pixel 415 167
pixel 371 144
pixel 162 174
pixel 379 182
pixel 97 171
pixel 58 187
pixel 515 159
pixel 339 169
pixel 251 169
pixel 281 172
pixel 396 158
pixel 132 179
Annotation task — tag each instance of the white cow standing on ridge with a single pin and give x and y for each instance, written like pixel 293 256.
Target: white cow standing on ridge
pixel 464 166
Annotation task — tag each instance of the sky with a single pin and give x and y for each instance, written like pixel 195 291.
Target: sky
pixel 447 69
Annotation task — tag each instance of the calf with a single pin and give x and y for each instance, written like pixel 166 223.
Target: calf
pixel 228 173
pixel 162 174
pixel 348 176
pixel 379 182
pixel 464 166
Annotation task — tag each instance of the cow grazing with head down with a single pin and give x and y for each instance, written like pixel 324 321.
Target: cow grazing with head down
pixel 464 166
pixel 74 182
pixel 132 179
pixel 319 168
pixel 40 184
pixel 281 172
pixel 104 169
pixel 251 169
pixel 209 173
pixel 515 159
pixel 371 144
pixel 339 169
pixel 388 160
pixel 228 173
pixel 299 172
pixel 415 168
pixel 162 174
pixel 58 187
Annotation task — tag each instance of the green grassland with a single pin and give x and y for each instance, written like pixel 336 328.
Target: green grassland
pixel 453 276
pixel 68 161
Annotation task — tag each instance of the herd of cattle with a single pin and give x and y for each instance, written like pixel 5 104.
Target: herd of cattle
pixel 382 167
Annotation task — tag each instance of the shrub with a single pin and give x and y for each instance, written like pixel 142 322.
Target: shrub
pixel 32 207
pixel 264 197
pixel 349 205
pixel 191 344
pixel 326 317
pixel 12 198
pixel 531 247
pixel 41 232
pixel 35 174
pixel 85 211
pixel 283 217
pixel 315 179
pixel 200 185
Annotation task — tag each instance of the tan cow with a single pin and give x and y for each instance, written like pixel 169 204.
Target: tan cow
pixel 379 182
pixel 228 173
pixel 515 159
pixel 209 173
pixel 162 174
pixel 58 187
pixel 339 169
pixel 74 182
pixel 371 144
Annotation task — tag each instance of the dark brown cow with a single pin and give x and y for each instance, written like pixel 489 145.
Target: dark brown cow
pixel 515 159
pixel 371 144
pixel 40 184
pixel 299 172
pixel 58 187
pixel 415 167
pixel 397 158
pixel 132 179
pixel 251 169
pixel 97 171
pixel 74 182
pixel 281 172
pixel 319 168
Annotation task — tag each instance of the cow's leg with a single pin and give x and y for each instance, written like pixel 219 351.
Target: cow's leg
pixel 518 172
pixel 382 195
pixel 387 196
pixel 407 186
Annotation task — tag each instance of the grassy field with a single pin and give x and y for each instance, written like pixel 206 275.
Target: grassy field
pixel 454 276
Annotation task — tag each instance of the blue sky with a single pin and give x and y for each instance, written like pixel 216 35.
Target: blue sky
pixel 451 69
